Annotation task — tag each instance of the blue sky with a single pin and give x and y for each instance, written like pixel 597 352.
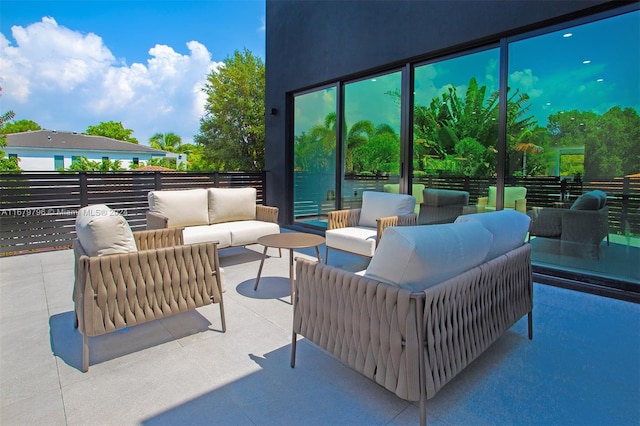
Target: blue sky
pixel 71 64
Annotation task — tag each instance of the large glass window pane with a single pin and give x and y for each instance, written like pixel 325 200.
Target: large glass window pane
pixel 371 140
pixel 455 129
pixel 314 156
pixel 580 132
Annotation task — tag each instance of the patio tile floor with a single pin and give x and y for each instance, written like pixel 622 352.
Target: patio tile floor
pixel 582 367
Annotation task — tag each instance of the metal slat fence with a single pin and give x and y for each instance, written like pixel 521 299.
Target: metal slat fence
pixel 38 210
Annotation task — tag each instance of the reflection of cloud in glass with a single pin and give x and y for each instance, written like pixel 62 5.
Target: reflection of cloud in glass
pixel 580 72
pixel 312 108
pixel 434 79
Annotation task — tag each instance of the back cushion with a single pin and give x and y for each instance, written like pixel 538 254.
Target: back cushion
pixel 381 204
pixel 513 193
pixel 509 229
pixel 185 207
pixel 445 197
pixel 103 231
pixel 592 200
pixel 417 257
pixel 230 204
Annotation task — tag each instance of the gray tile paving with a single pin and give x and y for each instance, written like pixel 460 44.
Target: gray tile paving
pixel 583 366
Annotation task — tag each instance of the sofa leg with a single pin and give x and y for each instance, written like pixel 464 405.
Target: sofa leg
pixel 222 317
pixel 326 255
pixel 294 340
pixel 85 353
pixel 530 324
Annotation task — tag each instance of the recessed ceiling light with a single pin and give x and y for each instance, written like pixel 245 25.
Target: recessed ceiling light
pixel 586 61
pixel 548 103
pixel 600 80
pixel 566 35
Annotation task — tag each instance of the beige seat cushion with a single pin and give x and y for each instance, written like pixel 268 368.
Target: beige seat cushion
pixel 207 233
pixel 383 204
pixel 246 232
pixel 185 207
pixel 230 204
pixel 357 239
pixel 418 257
pixel 509 229
pixel 103 231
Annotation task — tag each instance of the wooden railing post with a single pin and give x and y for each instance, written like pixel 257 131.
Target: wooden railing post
pixel 84 192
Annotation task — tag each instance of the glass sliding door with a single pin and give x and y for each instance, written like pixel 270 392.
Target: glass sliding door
pixel 455 126
pixel 371 137
pixel 314 174
pixel 580 132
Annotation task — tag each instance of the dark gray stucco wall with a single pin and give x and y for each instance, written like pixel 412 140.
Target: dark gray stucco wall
pixel 313 42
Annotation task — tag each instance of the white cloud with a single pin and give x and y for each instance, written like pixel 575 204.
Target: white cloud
pixel 67 80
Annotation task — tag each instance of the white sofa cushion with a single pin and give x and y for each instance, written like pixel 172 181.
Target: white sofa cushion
pixel 356 239
pixel 103 231
pixel 184 207
pixel 509 229
pixel 417 257
pixel 207 233
pixel 383 204
pixel 248 231
pixel 230 204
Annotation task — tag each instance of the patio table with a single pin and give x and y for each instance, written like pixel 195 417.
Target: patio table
pixel 291 241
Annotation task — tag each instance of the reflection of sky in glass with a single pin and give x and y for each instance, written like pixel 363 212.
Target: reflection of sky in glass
pixel 372 100
pixel 434 79
pixel 312 108
pixel 594 69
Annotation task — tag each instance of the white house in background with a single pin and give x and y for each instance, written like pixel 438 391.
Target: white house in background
pixel 51 150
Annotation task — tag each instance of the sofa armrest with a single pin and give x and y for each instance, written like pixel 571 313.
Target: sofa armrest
pixel 585 226
pixel 343 218
pixel 266 213
pixel 369 325
pixel 521 205
pixel 156 221
pixel 545 222
pixel 157 238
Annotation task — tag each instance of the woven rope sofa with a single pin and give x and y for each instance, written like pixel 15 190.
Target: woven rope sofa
pixel 124 278
pixel 431 301
pixel 229 216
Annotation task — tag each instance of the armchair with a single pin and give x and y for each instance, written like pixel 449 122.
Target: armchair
pixel 124 278
pixel 515 197
pixel 442 206
pixel 358 231
pixel 586 222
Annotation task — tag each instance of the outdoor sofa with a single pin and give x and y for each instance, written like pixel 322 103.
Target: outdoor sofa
pixel 229 216
pixel 441 206
pixel 431 301
pixel 124 278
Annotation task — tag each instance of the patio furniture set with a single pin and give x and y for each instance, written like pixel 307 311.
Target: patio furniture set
pixel 433 298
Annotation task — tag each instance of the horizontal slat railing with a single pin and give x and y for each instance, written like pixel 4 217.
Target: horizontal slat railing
pixel 38 210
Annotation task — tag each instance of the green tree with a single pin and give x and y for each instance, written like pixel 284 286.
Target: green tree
pixel 232 129
pixel 6 164
pixel 20 126
pixel 166 142
pixel 315 151
pixel 113 130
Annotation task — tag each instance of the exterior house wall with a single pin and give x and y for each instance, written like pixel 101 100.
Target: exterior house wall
pixel 311 43
pixel 43 160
